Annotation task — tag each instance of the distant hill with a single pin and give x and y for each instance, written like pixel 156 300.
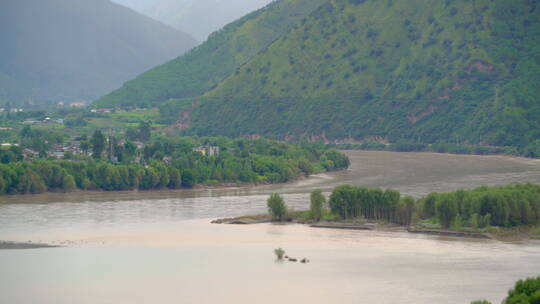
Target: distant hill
pixel 205 66
pixel 54 50
pixel 196 17
pixel 418 70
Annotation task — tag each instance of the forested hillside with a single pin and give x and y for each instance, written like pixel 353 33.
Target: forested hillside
pixel 57 50
pixel 205 66
pixel 421 70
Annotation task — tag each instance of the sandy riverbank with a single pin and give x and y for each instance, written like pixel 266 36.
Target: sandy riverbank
pixel 16 245
pixel 508 235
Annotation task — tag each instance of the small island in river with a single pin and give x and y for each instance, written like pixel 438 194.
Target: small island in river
pixel 502 213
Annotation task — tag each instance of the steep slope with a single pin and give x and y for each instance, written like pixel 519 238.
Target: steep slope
pixel 64 50
pixel 224 51
pixel 197 17
pixel 421 70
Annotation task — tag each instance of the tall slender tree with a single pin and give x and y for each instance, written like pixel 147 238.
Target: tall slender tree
pixel 98 143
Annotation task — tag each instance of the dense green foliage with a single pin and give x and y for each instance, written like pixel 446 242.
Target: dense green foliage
pixel 58 50
pixel 422 70
pixel 524 292
pixel 496 206
pixel 503 206
pixel 350 202
pixel 206 65
pixel 276 206
pixel 166 163
pixel 10 154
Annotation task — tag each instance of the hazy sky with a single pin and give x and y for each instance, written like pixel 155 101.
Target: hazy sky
pixel 196 17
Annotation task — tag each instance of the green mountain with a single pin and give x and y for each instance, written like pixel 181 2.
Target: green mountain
pixel 58 50
pixel 418 70
pixel 206 65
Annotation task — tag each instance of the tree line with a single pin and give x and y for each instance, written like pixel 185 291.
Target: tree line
pixel 350 202
pixel 167 163
pixel 502 206
pixel 505 206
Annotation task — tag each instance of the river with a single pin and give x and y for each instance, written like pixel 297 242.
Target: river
pixel 159 247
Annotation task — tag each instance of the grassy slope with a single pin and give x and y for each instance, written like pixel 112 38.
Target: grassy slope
pixel 423 70
pixel 224 51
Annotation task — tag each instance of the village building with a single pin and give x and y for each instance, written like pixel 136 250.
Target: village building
pixel 29 153
pixel 101 110
pixel 78 104
pixel 207 150
pixel 6 145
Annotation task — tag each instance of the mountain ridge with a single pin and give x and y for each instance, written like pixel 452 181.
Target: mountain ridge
pixel 192 16
pixel 460 71
pixel 69 50
pixel 206 65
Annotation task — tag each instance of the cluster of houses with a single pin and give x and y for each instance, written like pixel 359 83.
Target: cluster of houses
pixel 74 148
pixel 57 151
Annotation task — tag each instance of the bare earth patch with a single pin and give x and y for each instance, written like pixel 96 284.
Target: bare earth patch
pixel 14 245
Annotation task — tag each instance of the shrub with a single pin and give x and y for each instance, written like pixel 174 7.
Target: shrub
pixel 279 253
pixel 525 291
pixel 276 206
pixel 317 204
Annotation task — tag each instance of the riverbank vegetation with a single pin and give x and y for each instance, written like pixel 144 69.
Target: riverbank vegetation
pixel 111 163
pixel 500 212
pixel 276 207
pixel 524 292
pixel 481 208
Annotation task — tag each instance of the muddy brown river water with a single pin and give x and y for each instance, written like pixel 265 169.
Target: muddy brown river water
pixel 158 247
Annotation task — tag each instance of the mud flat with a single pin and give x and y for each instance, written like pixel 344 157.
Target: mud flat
pixel 15 245
pixel 451 233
